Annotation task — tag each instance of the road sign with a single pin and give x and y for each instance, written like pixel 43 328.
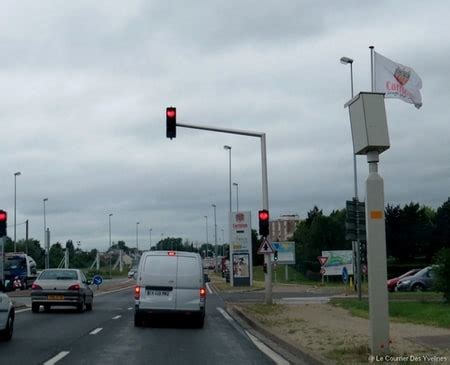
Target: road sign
pixel 322 271
pixel 344 275
pixel 265 248
pixel 97 280
pixel 353 207
pixel 322 259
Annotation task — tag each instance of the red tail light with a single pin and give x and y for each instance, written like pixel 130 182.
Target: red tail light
pixel 171 253
pixel 35 287
pixel 137 292
pixel 202 293
pixel 74 287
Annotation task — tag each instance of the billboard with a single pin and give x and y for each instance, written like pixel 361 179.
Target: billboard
pixel 286 252
pixel 336 261
pixel 241 248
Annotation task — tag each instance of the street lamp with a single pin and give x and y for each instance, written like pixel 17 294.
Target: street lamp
pixel 215 237
pixel 150 237
pixel 223 242
pixel 229 149
pixel 15 178
pixel 110 251
pixel 47 261
pixel 137 236
pixel 206 218
pixel 237 196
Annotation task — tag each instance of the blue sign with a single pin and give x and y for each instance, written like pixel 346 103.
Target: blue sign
pixel 344 275
pixel 97 280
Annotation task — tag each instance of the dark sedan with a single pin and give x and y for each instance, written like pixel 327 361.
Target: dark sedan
pixel 61 287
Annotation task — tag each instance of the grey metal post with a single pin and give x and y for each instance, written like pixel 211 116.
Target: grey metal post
pixel 15 195
pixel 66 258
pixel 97 261
pixel 150 237
pixel 215 238
pixel 237 196
pixel 26 236
pixel 286 274
pixel 47 244
pixel 120 261
pixel 137 237
pixel 376 254
pixel 45 238
pixel 206 218
pixel 110 251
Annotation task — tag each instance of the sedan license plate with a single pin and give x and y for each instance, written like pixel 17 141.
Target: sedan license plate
pixel 158 293
pixel 55 297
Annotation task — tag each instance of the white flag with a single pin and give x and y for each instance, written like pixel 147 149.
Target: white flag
pixel 397 81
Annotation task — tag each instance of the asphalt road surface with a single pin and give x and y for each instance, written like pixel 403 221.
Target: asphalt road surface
pixel 107 335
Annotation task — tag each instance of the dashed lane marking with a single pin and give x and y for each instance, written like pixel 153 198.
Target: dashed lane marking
pixel 56 358
pixel 117 317
pixel 209 289
pixel 94 332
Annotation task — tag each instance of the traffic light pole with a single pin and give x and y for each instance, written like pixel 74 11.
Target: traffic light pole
pixel 265 189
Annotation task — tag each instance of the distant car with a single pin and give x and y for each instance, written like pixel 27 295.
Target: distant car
pixel 61 287
pixel 7 315
pixel 392 283
pixel 131 273
pixel 422 280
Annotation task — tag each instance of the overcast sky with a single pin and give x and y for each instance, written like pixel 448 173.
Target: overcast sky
pixel 84 86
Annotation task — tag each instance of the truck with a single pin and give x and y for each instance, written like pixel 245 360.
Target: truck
pixel 19 271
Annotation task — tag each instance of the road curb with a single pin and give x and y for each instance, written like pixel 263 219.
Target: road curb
pixel 300 354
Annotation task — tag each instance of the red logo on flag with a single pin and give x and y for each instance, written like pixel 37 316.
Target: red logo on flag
pixel 402 75
pixel 240 217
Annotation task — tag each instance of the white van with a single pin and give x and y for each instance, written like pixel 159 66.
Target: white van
pixel 170 282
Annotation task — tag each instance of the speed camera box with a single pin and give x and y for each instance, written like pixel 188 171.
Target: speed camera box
pixel 368 122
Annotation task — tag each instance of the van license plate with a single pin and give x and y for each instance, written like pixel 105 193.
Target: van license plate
pixel 158 293
pixel 55 297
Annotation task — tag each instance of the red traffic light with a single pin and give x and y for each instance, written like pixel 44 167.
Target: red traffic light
pixel 171 112
pixel 3 216
pixel 263 215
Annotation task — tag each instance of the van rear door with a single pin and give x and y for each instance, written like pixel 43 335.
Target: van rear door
pixel 159 282
pixel 189 282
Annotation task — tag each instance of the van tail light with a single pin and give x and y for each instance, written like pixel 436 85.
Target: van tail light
pixel 202 293
pixel 171 253
pixel 74 287
pixel 36 287
pixel 137 292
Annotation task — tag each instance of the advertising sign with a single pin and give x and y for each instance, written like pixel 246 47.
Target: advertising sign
pixel 286 252
pixel 336 261
pixel 241 248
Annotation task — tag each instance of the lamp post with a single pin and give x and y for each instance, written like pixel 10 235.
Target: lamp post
pixel 223 242
pixel 229 163
pixel 237 196
pixel 150 237
pixel 215 238
pixel 15 178
pixel 137 236
pixel 206 219
pixel 110 252
pixel 47 253
pixel 349 61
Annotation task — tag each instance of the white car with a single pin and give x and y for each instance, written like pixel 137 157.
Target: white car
pixel 6 317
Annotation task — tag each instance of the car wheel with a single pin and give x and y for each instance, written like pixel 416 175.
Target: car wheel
pixel 138 320
pixel 89 306
pixel 35 307
pixel 6 334
pixel 80 306
pixel 417 287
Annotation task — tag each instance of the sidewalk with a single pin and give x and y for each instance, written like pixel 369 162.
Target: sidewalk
pixel 327 334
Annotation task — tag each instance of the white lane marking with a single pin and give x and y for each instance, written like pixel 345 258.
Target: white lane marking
pixel 267 350
pixel 225 314
pixel 97 330
pixel 261 346
pixel 130 308
pixel 23 310
pixel 56 358
pixel 209 289
pixel 112 291
pixel 117 317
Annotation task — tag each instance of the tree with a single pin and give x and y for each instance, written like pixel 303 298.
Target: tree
pixel 441 234
pixel 56 254
pixel 442 272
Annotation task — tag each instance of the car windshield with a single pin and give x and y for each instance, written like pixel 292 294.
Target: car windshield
pixel 58 275
pixel 14 263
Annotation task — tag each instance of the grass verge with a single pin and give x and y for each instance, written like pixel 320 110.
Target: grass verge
pixel 419 312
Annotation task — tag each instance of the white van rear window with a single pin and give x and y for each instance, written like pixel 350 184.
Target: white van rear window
pixel 160 265
pixel 187 266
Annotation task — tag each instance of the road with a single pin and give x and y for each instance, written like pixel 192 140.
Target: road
pixel 107 336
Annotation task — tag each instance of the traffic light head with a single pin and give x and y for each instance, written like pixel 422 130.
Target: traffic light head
pixel 171 122
pixel 275 256
pixel 263 216
pixel 3 220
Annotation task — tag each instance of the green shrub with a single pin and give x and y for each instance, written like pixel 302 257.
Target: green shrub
pixel 442 272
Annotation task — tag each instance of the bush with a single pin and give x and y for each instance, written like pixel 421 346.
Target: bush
pixel 442 272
